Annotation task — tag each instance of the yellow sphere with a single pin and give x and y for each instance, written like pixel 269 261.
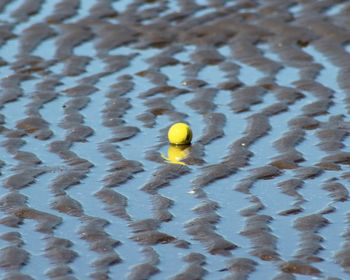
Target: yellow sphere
pixel 180 134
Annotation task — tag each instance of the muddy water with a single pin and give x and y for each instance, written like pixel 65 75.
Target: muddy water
pixel 89 185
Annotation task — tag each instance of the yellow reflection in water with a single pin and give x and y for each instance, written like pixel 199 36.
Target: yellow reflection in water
pixel 177 153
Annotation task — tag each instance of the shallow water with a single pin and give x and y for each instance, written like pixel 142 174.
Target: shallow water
pixel 88 90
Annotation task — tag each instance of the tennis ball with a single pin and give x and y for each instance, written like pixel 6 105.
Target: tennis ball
pixel 180 134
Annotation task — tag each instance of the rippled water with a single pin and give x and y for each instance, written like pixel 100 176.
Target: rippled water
pixel 90 188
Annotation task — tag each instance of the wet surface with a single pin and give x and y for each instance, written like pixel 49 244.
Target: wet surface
pixel 91 188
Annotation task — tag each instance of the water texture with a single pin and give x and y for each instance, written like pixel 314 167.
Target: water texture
pixel 91 189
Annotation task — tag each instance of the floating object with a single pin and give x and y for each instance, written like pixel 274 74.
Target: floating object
pixel 177 153
pixel 180 134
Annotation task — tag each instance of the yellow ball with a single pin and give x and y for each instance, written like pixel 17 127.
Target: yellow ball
pixel 180 134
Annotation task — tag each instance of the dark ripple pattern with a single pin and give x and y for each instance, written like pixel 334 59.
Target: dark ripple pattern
pixel 88 90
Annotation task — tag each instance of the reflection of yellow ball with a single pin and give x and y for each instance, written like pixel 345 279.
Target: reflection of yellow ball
pixel 177 153
pixel 180 134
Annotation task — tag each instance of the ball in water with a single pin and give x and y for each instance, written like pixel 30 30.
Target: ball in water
pixel 180 134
